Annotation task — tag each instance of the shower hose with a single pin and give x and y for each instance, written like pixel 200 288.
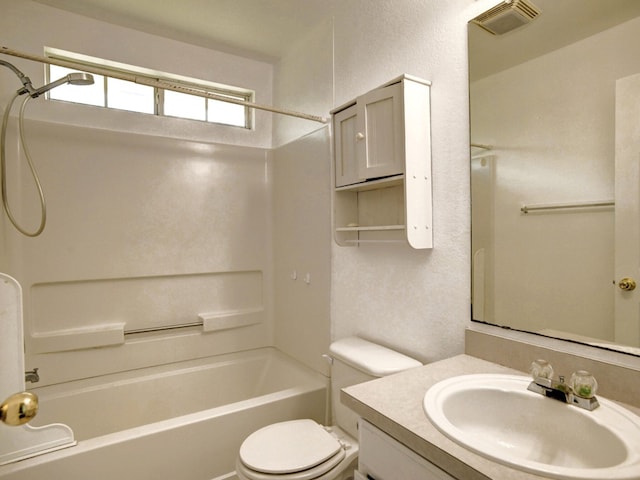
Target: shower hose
pixel 34 173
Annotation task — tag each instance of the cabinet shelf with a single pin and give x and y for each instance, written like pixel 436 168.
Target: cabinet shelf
pixel 360 241
pixel 373 184
pixel 373 228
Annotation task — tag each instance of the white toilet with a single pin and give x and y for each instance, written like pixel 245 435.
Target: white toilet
pixel 305 450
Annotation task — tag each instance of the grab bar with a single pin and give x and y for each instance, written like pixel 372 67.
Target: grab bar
pixel 562 206
pixel 211 322
pixel 162 328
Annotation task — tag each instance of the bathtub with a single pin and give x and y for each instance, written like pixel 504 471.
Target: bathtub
pixel 183 421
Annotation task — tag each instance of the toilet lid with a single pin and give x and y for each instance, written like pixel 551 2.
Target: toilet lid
pixel 288 447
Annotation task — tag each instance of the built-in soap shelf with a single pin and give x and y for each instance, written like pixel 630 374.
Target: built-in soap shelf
pixel 65 340
pixel 212 322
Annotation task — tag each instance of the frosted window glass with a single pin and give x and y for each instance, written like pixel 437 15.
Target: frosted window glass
pixel 226 113
pixel 182 105
pixel 130 96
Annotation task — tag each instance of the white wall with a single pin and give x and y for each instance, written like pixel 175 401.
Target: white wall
pixel 415 301
pixel 554 143
pixel 304 82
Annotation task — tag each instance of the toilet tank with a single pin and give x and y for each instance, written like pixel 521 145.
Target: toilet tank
pixel 355 361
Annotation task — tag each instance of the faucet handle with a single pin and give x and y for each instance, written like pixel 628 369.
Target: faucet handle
pixel 541 369
pixel 583 384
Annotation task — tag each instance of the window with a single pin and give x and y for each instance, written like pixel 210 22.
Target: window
pixel 120 94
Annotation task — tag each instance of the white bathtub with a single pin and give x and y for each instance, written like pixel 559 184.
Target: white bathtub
pixel 183 421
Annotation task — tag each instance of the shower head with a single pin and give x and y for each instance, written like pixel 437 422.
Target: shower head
pixel 75 78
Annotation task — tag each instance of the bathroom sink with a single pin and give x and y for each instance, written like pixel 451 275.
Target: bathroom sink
pixel 498 418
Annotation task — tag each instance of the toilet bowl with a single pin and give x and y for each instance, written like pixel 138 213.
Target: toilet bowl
pixel 305 450
pixel 297 450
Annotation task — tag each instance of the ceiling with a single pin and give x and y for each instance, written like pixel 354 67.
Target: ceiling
pixel 560 23
pixel 261 29
pixel 265 29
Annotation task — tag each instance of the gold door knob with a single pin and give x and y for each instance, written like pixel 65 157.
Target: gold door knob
pixel 627 284
pixel 19 409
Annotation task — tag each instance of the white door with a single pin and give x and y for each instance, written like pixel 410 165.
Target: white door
pixel 627 216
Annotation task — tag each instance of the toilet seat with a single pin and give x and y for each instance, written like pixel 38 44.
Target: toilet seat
pixel 294 450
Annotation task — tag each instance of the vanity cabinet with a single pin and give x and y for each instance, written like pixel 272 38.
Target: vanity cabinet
pixel 382 166
pixel 381 457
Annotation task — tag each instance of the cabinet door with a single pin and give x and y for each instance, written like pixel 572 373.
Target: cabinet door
pixel 381 457
pixel 380 129
pixel 347 147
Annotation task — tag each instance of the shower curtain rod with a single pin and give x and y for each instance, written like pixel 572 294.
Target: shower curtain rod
pixel 562 206
pixel 482 146
pixel 160 84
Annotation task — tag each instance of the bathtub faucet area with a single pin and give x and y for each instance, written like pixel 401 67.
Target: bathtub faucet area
pixel 32 376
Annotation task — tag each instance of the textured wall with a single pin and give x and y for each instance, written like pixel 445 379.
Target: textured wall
pixel 416 301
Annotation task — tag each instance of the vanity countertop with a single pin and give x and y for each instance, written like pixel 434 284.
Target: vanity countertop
pixel 394 404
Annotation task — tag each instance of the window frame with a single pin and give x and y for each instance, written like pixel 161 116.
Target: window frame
pixel 158 92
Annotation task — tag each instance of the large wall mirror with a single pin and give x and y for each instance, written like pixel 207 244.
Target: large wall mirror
pixel 555 168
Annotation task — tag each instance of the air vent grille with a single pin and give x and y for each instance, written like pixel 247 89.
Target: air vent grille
pixel 507 16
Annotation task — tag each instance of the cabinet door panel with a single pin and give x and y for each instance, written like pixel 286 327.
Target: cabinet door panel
pixel 381 457
pixel 380 125
pixel 347 147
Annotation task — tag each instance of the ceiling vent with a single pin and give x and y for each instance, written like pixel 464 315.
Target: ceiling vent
pixel 507 16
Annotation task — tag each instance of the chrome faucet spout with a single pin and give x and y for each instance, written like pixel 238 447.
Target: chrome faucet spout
pixel 556 389
pixel 32 376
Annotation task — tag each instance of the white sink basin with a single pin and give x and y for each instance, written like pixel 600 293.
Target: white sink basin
pixel 497 417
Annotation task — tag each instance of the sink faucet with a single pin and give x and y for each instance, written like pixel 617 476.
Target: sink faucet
pixel 579 392
pixel 32 376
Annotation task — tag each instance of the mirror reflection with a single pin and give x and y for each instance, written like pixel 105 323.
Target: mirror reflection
pixel 555 132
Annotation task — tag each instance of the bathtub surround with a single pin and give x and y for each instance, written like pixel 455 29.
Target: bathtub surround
pixel 155 232
pixel 152 221
pixel 302 247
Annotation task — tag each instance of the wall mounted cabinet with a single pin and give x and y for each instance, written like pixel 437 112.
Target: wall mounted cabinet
pixel 382 166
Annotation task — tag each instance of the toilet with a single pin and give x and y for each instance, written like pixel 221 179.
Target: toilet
pixel 306 450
